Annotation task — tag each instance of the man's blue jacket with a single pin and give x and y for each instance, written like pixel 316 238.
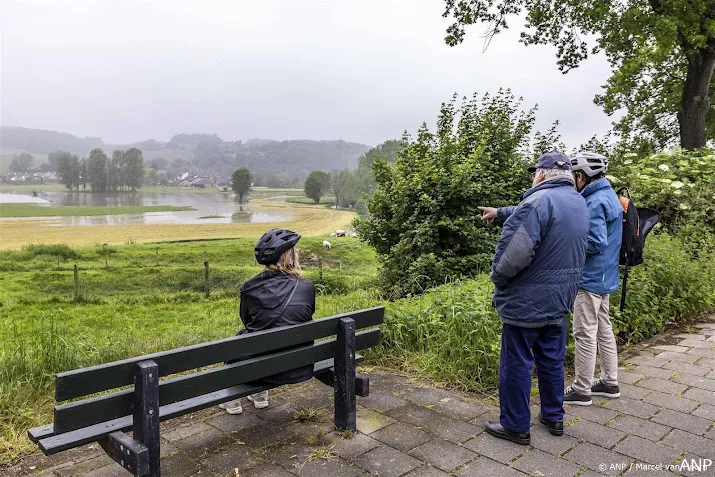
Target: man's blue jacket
pixel 605 233
pixel 540 255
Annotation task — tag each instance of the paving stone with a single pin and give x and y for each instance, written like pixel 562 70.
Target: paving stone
pixel 645 450
pixel 491 415
pixel 690 336
pixel 386 461
pixel 182 465
pixel 453 430
pixel 594 457
pixel 262 436
pixel 692 460
pixel 632 407
pixel 707 353
pixel 643 469
pixel 370 421
pixel 228 423
pixel 696 344
pixel 628 377
pixel 380 401
pixel 711 433
pixel 494 448
pixel 661 385
pixel 306 432
pixel 673 348
pixel 113 470
pixel 427 471
pixel 459 409
pixel 487 467
pixel 353 447
pixel 691 443
pixel 632 391
pixel 83 466
pixel 232 457
pixel 696 381
pixel 652 372
pixel 332 467
pixel 267 470
pixel 391 384
pixel 282 415
pixel 653 361
pixel 669 401
pixel 536 462
pixel 682 357
pixel 556 445
pixel 710 375
pixel 204 442
pixel 425 396
pixel 701 395
pixel 706 411
pixel 186 431
pixel 594 433
pixel 401 436
pixel 687 368
pixel 443 454
pixel 167 448
pixel 592 413
pixel 419 416
pixel 639 427
pixel 685 422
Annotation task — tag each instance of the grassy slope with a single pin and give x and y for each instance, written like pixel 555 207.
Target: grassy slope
pixel 144 302
pixel 34 210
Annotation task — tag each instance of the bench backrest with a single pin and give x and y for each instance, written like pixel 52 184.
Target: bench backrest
pixel 270 344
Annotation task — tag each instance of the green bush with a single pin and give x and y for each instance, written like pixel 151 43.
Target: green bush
pixel 61 250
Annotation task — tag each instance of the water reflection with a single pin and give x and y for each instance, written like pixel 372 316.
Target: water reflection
pixel 210 208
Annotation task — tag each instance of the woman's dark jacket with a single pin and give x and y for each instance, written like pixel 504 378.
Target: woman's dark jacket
pixel 264 297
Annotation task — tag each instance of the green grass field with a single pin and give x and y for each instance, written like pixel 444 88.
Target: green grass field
pixel 34 210
pixel 149 298
pixel 326 200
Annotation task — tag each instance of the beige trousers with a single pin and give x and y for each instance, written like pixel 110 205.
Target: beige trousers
pixel 592 330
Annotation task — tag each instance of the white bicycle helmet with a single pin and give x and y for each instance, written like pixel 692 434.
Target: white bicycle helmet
pixel 589 163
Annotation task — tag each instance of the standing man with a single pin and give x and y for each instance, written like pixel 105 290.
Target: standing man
pixel 536 271
pixel 591 320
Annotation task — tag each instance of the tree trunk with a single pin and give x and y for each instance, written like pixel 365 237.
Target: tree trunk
pixel 695 102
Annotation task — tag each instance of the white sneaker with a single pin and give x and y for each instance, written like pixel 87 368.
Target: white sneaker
pixel 234 407
pixel 259 400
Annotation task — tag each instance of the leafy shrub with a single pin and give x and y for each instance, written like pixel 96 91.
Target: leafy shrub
pixel 680 185
pixel 423 218
pixel 60 249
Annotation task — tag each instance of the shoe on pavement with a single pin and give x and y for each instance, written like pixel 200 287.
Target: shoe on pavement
pixel 234 407
pixel 258 402
pixel 497 430
pixel 571 396
pixel 556 428
pixel 600 388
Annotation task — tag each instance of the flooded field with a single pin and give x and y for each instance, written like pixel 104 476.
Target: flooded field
pixel 209 208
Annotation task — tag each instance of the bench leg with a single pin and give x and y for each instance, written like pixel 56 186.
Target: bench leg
pixel 146 413
pixel 345 376
pixel 127 452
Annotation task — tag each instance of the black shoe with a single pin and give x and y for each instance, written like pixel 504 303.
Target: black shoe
pixel 573 397
pixel 497 430
pixel 556 428
pixel 599 388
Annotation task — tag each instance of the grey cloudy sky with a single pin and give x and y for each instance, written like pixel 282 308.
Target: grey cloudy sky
pixel 360 70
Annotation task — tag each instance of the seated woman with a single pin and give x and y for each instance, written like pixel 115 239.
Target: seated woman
pixel 276 297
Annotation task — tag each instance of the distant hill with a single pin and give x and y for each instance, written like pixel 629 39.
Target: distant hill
pixel 292 160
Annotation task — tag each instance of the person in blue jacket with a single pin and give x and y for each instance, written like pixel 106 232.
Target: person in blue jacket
pixel 591 320
pixel 536 272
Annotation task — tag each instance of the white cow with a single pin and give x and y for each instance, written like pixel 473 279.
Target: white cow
pixel 326 245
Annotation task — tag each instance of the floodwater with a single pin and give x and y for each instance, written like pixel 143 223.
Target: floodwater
pixel 206 204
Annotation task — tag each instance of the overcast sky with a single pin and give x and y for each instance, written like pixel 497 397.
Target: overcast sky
pixel 360 70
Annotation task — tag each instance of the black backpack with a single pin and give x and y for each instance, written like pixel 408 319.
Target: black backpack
pixel 637 222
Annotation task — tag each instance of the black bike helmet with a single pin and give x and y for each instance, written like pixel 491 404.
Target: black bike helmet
pixel 273 243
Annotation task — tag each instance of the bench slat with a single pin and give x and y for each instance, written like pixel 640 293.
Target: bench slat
pixel 81 382
pixel 69 440
pixel 80 414
pixel 37 433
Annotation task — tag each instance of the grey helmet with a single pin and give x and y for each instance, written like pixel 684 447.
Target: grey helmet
pixel 589 163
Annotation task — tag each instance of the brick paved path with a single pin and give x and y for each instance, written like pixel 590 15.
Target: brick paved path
pixel 665 414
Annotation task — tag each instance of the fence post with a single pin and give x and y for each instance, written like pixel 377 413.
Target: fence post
pixel 58 262
pixel 206 276
pixel 106 257
pixel 76 284
pixel 157 257
pixel 320 266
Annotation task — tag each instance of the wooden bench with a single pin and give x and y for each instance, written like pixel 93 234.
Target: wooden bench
pixel 104 418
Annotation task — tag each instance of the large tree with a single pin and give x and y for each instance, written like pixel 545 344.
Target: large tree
pixel 241 181
pixel 21 162
pixel 97 172
pixel 68 169
pixel 316 185
pixel 338 184
pixel 662 53
pixel 133 168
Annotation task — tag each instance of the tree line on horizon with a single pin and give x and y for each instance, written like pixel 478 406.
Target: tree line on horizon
pixel 124 171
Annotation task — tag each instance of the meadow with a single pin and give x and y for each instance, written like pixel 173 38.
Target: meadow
pixel 34 210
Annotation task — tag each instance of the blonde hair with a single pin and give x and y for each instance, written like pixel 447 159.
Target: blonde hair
pixel 288 263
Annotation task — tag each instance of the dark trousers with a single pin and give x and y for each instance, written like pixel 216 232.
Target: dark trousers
pixel 520 347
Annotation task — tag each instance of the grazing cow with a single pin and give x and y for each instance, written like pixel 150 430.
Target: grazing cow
pixel 326 245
